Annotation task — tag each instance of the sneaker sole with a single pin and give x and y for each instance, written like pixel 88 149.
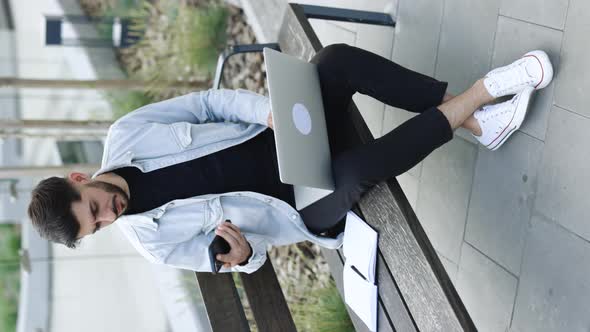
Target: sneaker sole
pixel 546 67
pixel 521 110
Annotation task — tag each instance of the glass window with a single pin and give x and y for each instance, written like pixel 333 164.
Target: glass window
pixel 5 16
pixel 80 152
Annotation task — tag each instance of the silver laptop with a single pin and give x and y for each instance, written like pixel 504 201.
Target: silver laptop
pixel 301 136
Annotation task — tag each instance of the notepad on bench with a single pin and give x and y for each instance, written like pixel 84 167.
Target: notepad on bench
pixel 360 252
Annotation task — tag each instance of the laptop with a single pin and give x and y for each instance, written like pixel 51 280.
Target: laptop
pixel 301 136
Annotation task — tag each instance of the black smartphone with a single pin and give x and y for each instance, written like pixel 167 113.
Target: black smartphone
pixel 218 246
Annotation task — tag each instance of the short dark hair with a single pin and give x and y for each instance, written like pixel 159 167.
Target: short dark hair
pixel 50 211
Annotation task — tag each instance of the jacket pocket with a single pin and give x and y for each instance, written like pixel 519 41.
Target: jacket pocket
pixel 182 133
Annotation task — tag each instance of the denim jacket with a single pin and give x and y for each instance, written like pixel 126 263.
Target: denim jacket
pixel 188 127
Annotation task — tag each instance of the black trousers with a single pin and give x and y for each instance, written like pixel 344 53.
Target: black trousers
pixel 356 167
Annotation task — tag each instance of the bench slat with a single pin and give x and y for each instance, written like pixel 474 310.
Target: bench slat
pixel 267 301
pixel 410 259
pixel 222 302
pixel 391 298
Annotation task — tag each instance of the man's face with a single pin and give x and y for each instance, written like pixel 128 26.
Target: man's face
pixel 100 205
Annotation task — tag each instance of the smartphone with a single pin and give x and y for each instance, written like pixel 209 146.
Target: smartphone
pixel 218 246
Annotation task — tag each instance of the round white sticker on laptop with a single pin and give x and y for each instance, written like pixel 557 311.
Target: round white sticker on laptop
pixel 302 119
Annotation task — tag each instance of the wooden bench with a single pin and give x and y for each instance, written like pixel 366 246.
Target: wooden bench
pixel 415 292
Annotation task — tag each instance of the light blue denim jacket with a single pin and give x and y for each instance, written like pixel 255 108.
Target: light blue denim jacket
pixel 188 127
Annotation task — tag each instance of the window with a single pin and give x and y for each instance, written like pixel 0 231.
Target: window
pixel 80 152
pixel 6 22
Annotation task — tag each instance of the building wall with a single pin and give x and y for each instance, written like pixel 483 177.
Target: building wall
pixel 105 285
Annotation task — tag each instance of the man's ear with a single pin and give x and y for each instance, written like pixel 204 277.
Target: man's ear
pixel 79 177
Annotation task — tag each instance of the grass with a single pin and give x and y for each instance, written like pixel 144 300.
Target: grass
pixel 123 102
pixel 9 276
pixel 177 42
pixel 317 310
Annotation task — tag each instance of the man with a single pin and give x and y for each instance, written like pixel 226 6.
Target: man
pixel 173 171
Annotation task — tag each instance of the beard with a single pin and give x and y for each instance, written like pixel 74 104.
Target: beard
pixel 112 189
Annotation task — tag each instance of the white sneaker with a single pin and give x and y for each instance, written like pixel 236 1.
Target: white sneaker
pixel 534 69
pixel 499 121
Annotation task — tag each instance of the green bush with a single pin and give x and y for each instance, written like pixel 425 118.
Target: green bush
pixel 120 8
pixel 198 36
pixel 123 102
pixel 179 43
pixel 9 276
pixel 9 241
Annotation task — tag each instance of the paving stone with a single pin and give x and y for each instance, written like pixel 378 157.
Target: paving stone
pixel 466 135
pixel 394 117
pixel 573 81
pixel 372 112
pixel 445 185
pixel 450 267
pixel 550 13
pixel 562 194
pixel 554 286
pixel 330 33
pixel 416 34
pixel 463 57
pixel 513 39
pixel 502 199
pixel 371 109
pixel 409 185
pixel 486 289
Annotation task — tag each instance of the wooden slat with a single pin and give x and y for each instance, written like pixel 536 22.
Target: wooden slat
pixel 391 297
pixel 267 300
pixel 431 256
pixel 412 269
pixel 222 302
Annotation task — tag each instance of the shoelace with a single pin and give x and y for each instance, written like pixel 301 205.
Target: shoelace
pixel 514 75
pixel 487 111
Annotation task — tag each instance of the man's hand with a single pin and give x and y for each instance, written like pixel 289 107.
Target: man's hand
pixel 269 121
pixel 240 248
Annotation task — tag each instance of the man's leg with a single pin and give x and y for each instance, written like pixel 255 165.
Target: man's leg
pixel 358 70
pixel 348 69
pixel 359 168
pixel 344 70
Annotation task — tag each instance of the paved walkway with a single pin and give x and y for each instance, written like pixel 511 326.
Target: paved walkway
pixel 512 226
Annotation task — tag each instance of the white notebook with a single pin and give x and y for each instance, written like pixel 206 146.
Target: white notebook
pixel 360 252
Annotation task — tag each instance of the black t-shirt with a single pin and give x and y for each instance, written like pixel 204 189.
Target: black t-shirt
pixel 249 166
